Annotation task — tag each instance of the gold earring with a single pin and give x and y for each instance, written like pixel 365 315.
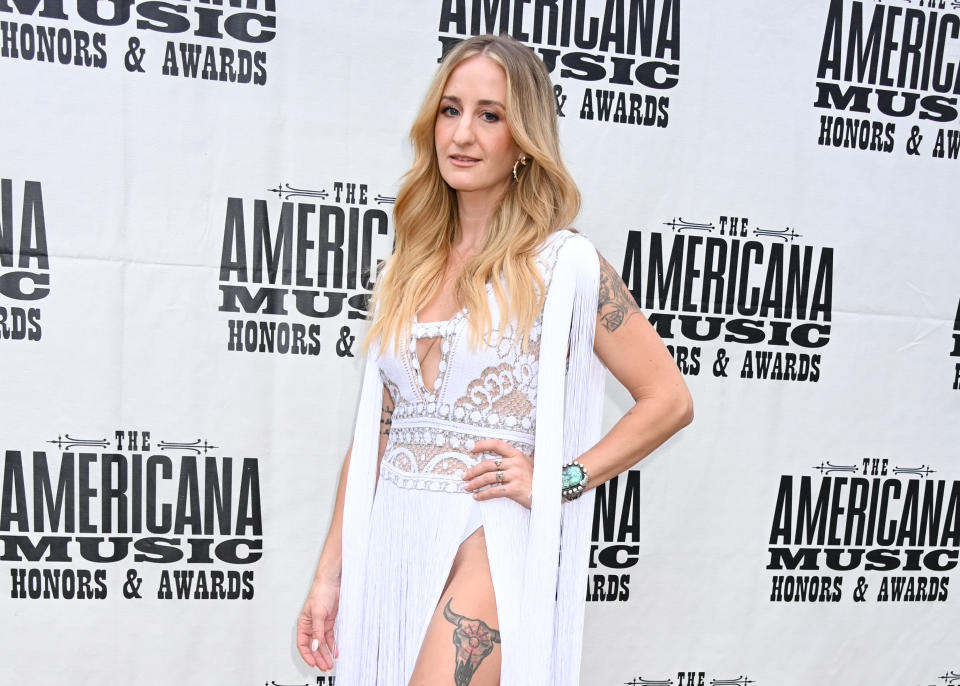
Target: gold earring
pixel 522 161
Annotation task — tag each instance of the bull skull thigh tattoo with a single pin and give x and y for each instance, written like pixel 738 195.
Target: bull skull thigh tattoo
pixel 474 641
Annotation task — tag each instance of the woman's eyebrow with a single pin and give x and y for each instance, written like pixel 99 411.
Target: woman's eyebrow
pixel 457 100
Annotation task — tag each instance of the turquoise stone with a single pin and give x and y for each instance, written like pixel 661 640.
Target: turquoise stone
pixel 571 476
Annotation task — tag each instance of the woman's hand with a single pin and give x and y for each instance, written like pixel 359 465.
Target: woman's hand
pixel 315 624
pixel 517 470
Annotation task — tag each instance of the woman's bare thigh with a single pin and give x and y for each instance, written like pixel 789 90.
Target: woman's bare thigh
pixel 462 643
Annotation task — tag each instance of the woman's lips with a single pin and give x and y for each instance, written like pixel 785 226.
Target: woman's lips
pixel 462 160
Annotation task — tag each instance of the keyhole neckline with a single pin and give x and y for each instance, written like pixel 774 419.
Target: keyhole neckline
pixel 445 331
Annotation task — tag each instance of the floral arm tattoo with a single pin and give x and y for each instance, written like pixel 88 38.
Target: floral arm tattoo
pixel 615 304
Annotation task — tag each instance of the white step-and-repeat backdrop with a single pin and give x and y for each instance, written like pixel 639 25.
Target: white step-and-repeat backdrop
pixel 194 194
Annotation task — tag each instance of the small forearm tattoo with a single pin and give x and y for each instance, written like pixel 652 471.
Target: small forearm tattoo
pixel 615 304
pixel 474 640
pixel 386 419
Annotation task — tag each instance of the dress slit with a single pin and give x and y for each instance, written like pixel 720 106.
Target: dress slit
pixel 407 570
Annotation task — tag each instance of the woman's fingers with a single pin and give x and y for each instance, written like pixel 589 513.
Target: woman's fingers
pixel 500 491
pixel 516 468
pixel 484 472
pixel 504 451
pixel 323 640
pixel 494 445
pixel 304 637
pixel 316 647
pixel 487 478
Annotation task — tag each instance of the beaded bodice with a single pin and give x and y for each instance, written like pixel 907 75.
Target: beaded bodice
pixel 490 392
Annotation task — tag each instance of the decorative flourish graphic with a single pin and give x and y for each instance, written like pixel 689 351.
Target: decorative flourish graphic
pixel 384 199
pixel 923 470
pixel 194 446
pixel 640 681
pixel 682 225
pixel 739 681
pixel 829 468
pixel 951 677
pixel 286 191
pixel 69 443
pixel 787 234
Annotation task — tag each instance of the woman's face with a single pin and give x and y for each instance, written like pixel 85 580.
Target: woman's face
pixel 475 150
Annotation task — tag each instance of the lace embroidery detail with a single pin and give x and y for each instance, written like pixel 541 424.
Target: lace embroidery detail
pixel 435 459
pixel 490 393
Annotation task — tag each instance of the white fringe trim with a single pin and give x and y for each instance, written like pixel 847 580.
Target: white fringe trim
pixel 569 408
pixel 358 500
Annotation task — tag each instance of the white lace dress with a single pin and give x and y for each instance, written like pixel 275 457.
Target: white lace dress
pixel 421 512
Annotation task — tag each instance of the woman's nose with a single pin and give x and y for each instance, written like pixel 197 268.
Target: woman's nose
pixel 463 134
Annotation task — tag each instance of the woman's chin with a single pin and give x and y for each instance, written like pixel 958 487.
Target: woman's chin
pixel 463 183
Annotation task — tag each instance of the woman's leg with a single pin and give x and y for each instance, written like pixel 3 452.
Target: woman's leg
pixel 462 643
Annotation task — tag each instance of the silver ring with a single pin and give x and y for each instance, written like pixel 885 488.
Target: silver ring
pixel 499 477
pixel 498 460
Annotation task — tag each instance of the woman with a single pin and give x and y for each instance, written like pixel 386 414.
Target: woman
pixel 491 321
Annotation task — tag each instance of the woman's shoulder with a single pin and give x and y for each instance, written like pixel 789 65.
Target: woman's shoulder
pixel 567 244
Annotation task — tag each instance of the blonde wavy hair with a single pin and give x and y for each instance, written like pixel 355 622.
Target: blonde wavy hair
pixel 544 200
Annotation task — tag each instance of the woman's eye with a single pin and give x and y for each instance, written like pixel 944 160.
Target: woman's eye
pixel 449 110
pixel 490 116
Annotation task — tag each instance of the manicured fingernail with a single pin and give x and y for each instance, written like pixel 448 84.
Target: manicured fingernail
pixel 314 644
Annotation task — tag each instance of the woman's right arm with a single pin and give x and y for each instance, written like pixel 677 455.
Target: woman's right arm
pixel 320 608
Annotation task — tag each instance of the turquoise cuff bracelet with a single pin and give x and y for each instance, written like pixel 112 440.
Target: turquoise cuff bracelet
pixel 574 480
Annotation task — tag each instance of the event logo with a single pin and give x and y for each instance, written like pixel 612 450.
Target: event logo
pixel 718 283
pixel 223 58
pixel 956 349
pixel 105 516
pixel 615 541
pixel 295 264
pixel 868 531
pixel 615 60
pixel 24 266
pixel 691 678
pixel 883 64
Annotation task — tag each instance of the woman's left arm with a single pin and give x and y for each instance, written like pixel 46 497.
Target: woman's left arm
pixel 630 348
